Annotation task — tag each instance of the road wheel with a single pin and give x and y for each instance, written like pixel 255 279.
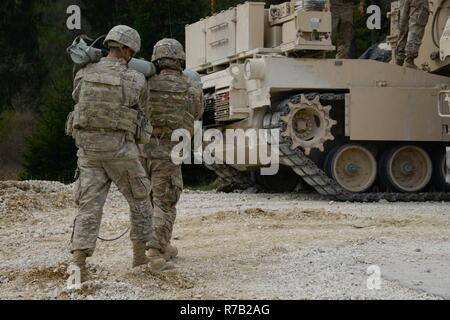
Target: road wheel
pixel 353 167
pixel 439 158
pixel 406 168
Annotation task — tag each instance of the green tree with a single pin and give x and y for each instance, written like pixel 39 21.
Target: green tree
pixel 51 154
pixel 155 19
pixel 18 71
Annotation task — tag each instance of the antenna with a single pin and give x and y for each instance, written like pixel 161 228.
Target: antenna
pixel 170 18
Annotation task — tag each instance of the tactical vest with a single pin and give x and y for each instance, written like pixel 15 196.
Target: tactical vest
pixel 101 104
pixel 169 105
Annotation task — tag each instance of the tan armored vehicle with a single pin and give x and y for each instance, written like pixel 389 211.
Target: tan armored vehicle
pixel 357 130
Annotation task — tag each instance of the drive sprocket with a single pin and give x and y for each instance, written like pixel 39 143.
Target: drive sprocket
pixel 308 124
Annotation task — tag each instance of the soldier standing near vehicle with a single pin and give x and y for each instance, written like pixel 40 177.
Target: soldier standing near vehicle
pixel 342 24
pixel 174 102
pixel 106 125
pixel 413 19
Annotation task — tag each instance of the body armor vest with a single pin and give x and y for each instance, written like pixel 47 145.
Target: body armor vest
pixel 102 103
pixel 169 104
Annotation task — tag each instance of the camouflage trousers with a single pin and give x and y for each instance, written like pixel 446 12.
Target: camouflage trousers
pixel 167 185
pixel 342 24
pixel 413 19
pixel 91 190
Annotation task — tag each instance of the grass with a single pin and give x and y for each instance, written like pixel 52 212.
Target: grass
pixel 206 186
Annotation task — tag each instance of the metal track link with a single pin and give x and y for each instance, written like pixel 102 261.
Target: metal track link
pixel 316 177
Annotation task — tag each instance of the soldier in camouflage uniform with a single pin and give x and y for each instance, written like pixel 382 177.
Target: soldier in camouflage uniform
pixel 342 24
pixel 105 125
pixel 174 102
pixel 413 19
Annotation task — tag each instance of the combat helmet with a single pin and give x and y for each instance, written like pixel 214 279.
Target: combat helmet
pixel 168 48
pixel 123 36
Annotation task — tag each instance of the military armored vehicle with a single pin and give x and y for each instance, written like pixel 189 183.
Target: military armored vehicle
pixel 352 129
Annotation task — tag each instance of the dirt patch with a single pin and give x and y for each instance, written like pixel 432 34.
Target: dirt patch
pixel 259 247
pixel 42 276
pixel 258 213
pixel 7 276
pixel 278 219
pixel 88 289
pixel 19 200
pixel 58 275
pixel 169 280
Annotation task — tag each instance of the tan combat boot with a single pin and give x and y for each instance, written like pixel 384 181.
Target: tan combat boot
pixel 157 263
pixel 156 255
pixel 79 260
pixel 170 252
pixel 409 63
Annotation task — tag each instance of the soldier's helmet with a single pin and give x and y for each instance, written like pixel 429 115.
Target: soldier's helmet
pixel 168 48
pixel 123 36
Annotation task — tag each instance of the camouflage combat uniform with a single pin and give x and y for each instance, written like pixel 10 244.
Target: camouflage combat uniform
pixel 173 103
pixel 108 96
pixel 413 19
pixel 342 25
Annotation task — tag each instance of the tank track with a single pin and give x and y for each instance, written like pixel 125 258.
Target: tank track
pixel 237 178
pixel 316 177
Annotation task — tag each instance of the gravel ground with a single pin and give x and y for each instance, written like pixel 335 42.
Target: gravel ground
pixel 232 246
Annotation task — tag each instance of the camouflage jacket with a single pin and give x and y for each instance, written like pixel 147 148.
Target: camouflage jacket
pixel 108 97
pixel 173 103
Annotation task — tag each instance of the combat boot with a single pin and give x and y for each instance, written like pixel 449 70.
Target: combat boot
pixel 156 254
pixel 79 260
pixel 409 63
pixel 157 263
pixel 400 61
pixel 170 252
